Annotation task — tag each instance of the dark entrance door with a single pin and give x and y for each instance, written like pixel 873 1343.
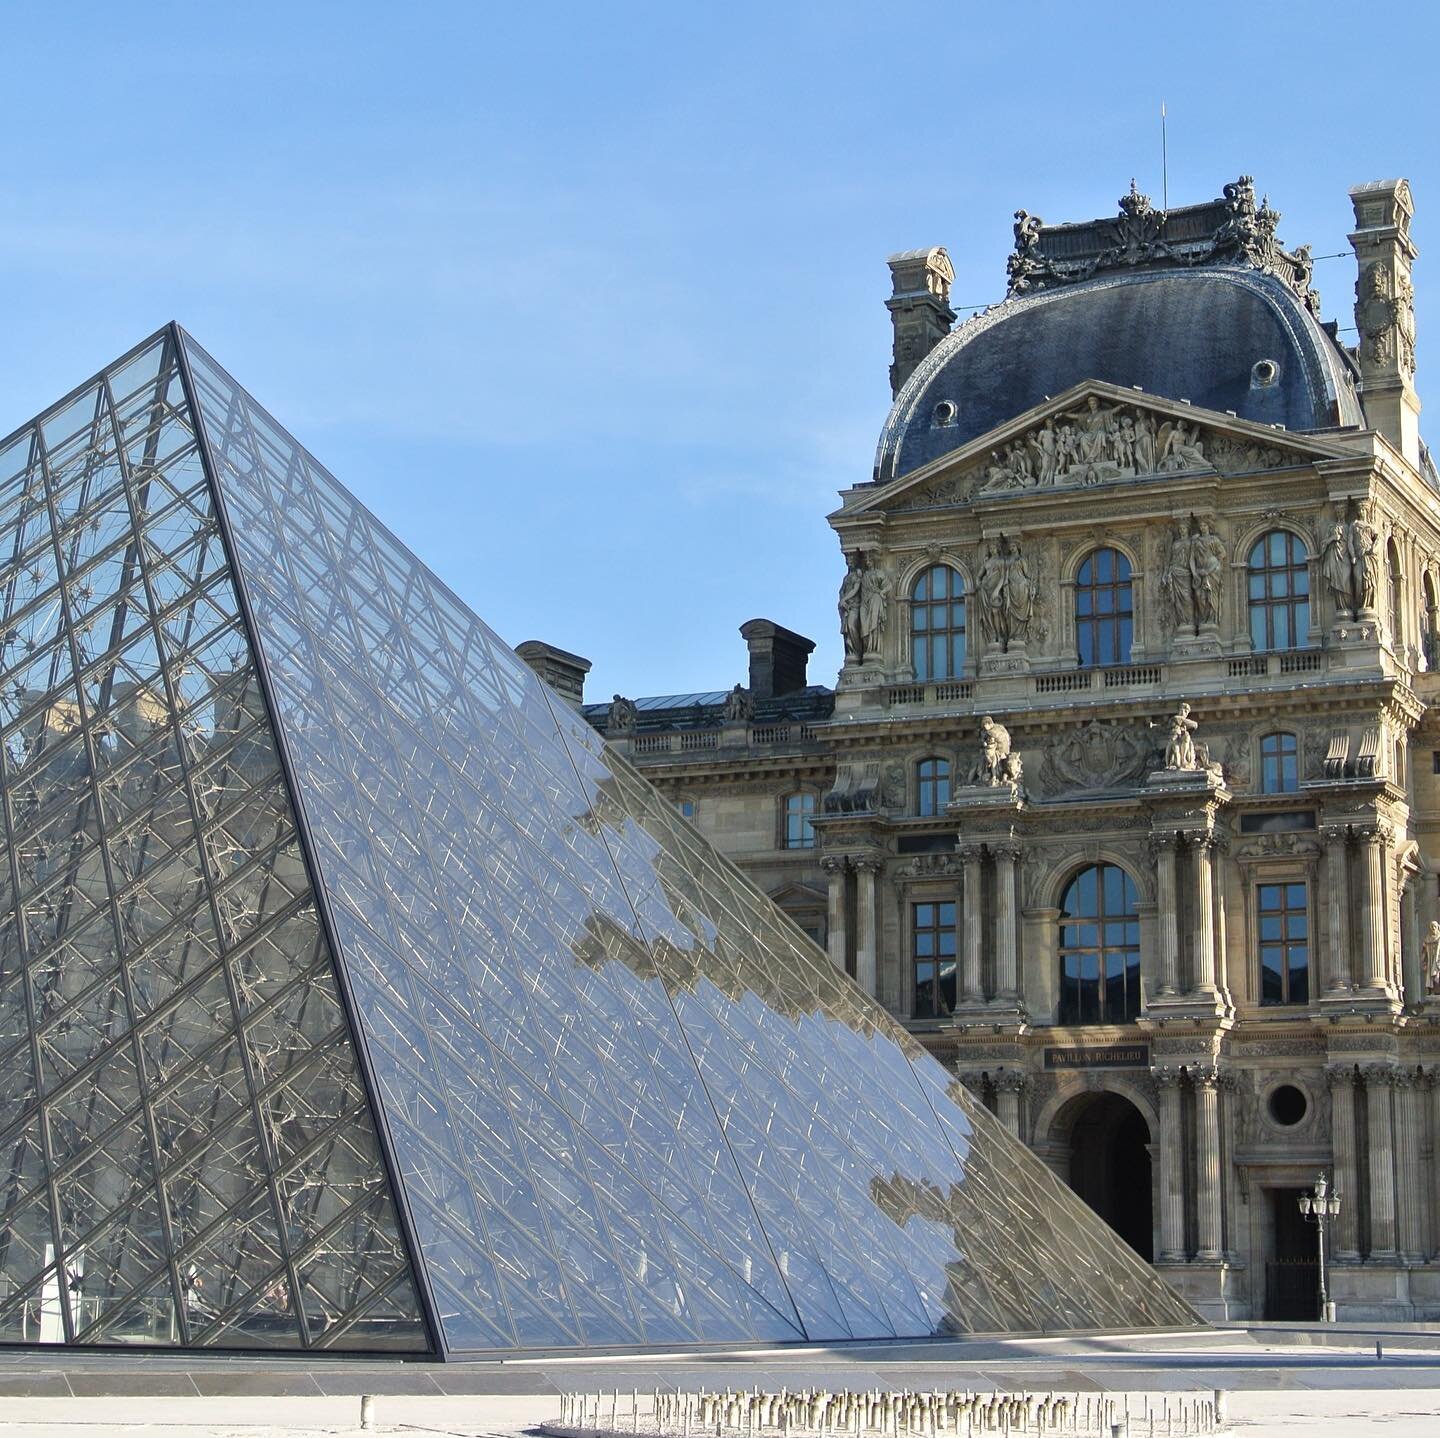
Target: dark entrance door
pixel 1110 1168
pixel 1292 1276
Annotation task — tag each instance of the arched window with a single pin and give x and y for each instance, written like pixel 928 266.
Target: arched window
pixel 799 832
pixel 1279 592
pixel 1104 611
pixel 1099 948
pixel 1279 764
pixel 1392 566
pixel 932 787
pixel 937 624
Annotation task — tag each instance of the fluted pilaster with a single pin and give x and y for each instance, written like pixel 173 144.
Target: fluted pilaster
pixel 1341 1078
pixel 1171 1166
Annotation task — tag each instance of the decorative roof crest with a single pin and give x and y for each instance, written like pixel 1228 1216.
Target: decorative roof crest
pixel 1231 230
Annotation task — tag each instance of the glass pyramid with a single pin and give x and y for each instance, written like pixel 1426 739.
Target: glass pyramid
pixel 354 996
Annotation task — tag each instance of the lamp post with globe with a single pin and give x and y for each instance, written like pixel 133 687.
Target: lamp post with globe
pixel 1321 1207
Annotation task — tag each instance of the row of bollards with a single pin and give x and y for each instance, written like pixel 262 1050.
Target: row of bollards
pixel 884 1414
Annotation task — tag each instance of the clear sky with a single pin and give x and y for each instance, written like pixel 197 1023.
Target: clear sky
pixel 587 301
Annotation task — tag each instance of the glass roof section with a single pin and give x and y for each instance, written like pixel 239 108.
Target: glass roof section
pixel 354 994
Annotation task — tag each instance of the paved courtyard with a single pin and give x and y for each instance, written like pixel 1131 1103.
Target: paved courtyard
pixel 1281 1381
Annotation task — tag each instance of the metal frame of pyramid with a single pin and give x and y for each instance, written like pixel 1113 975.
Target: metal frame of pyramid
pixel 353 996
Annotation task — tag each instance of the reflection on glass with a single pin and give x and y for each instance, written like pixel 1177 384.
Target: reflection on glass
pixel 186 1154
pixel 629 1102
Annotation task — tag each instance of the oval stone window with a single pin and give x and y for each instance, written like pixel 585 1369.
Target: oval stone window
pixel 1288 1105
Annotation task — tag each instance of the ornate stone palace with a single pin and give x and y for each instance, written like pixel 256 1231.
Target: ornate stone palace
pixel 1127 798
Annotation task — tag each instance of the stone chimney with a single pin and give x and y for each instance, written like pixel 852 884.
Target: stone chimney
pixel 919 308
pixel 562 671
pixel 1385 312
pixel 778 657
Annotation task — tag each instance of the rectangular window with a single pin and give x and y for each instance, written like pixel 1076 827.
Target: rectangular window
pixel 799 832
pixel 686 808
pixel 932 942
pixel 1283 924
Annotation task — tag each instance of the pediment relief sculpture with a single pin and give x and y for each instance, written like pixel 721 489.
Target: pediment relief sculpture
pixel 1097 441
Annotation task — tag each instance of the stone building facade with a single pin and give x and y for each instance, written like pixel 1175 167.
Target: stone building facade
pixel 1127 798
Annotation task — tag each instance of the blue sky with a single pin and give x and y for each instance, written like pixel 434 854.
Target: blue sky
pixel 587 301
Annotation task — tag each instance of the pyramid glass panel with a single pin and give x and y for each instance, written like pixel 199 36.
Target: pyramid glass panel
pixel 187 1153
pixel 628 1101
pixel 353 995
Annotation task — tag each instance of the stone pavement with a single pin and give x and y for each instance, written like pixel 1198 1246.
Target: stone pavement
pixel 1293 1382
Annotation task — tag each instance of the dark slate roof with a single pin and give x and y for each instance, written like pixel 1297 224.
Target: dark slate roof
pixel 1184 334
pixel 705 710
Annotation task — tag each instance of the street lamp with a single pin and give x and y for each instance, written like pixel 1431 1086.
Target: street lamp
pixel 1320 1208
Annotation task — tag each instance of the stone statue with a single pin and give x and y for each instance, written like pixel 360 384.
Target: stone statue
pixel 1207 572
pixel 1144 443
pixel 1175 582
pixel 1179 449
pixel 1338 571
pixel 1046 444
pixel 1365 559
pixel 1430 957
pixel 622 716
pixel 737 706
pixel 1005 592
pixel 1180 752
pixel 874 609
pixel 993 764
pixel 849 607
pixel 1093 424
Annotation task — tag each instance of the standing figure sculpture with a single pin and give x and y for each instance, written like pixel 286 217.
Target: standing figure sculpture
pixel 849 607
pixel 1430 958
pixel 1338 570
pixel 737 707
pixel 1207 572
pixel 1365 559
pixel 874 609
pixel 1144 443
pixel 622 716
pixel 1005 592
pixel 1175 582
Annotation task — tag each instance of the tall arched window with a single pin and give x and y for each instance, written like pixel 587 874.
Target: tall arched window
pixel 1279 764
pixel 1104 611
pixel 1279 591
pixel 1428 620
pixel 799 832
pixel 932 787
pixel 1099 948
pixel 937 624
pixel 1392 567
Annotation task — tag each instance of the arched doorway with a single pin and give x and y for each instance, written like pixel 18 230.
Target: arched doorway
pixel 1110 1165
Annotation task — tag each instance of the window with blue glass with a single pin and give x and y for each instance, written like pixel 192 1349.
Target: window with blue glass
pixel 685 808
pixel 1099 948
pixel 932 787
pixel 1284 927
pixel 937 624
pixel 932 932
pixel 1279 764
pixel 1279 579
pixel 799 810
pixel 1104 609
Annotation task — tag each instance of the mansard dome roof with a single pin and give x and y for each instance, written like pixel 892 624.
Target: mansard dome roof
pixel 1224 337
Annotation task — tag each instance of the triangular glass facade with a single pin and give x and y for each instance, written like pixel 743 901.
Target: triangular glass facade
pixel 353 995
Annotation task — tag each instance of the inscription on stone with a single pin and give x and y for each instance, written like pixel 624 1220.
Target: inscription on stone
pixel 1102 1056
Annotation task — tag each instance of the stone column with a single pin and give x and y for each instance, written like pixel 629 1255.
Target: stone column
pixel 970 941
pixel 1007 948
pixel 1379 1081
pixel 1433 1187
pixel 866 868
pixel 1373 839
pixel 1172 1166
pixel 1167 915
pixel 1202 846
pixel 1410 1186
pixel 1341 1078
pixel 836 939
pixel 1008 1088
pixel 1337 947
pixel 1207 1164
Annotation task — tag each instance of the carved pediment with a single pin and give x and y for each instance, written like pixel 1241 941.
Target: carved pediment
pixel 1098 434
